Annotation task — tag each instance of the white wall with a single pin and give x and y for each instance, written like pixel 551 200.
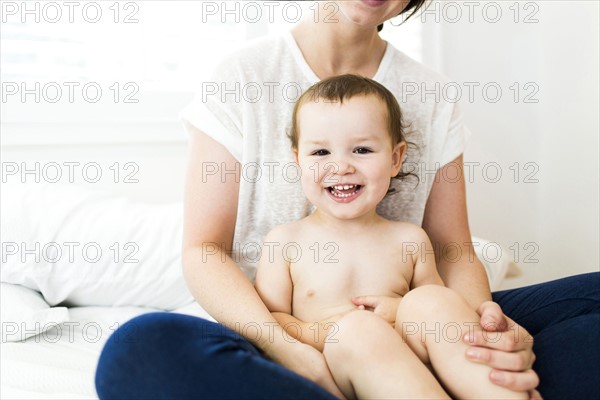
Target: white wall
pixel 139 149
pixel 148 173
pixel 558 135
pixel 570 125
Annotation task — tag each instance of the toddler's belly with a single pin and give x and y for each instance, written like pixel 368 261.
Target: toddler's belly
pixel 313 311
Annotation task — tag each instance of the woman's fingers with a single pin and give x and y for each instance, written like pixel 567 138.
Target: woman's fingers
pixel 492 317
pixel 512 340
pixel 506 347
pixel 517 361
pixel 517 381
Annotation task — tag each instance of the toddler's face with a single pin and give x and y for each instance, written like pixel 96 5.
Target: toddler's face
pixel 345 154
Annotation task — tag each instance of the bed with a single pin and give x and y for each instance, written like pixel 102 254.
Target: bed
pixel 60 363
pixel 59 310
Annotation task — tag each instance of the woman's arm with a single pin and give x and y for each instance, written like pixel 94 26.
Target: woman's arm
pixel 214 279
pixel 210 208
pixel 424 271
pixel 445 221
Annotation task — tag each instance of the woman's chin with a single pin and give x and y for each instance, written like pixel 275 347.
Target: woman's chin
pixel 370 13
pixel 374 3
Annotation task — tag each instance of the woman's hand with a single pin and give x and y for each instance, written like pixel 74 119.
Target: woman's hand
pixel 307 361
pixel 384 306
pixel 509 354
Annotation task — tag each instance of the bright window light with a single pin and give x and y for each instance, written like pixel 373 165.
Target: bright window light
pixel 143 60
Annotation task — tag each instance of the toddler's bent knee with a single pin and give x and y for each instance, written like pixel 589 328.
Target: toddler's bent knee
pixel 355 332
pixel 427 299
pixel 357 322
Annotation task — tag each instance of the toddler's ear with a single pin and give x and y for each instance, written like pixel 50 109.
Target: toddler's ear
pixel 398 153
pixel 295 151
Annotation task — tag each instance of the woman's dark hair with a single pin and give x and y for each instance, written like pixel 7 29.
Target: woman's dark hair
pixel 414 5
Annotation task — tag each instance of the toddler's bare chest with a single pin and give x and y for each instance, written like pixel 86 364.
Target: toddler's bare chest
pixel 327 275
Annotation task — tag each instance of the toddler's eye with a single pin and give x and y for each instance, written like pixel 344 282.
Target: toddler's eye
pixel 363 150
pixel 321 152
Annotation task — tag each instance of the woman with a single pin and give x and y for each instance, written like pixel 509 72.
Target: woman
pixel 240 184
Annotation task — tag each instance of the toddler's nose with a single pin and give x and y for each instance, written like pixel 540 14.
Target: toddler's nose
pixel 342 166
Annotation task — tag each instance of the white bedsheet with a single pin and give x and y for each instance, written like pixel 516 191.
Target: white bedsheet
pixel 61 363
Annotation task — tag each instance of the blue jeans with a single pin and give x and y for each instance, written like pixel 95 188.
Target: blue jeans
pixel 174 356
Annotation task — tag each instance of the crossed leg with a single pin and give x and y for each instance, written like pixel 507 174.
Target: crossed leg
pixel 433 320
pixel 369 359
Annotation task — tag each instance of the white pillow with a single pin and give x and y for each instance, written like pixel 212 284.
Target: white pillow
pixel 24 313
pixel 195 310
pixel 41 220
pixel 496 259
pixel 139 263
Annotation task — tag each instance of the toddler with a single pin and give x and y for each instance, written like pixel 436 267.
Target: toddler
pixel 362 289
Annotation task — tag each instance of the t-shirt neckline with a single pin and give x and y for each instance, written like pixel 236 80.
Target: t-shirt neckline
pixel 310 74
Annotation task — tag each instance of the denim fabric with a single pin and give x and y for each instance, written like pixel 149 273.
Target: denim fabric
pixel 174 356
pixel 564 318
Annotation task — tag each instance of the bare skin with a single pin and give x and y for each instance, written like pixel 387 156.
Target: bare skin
pixel 345 249
pixel 220 287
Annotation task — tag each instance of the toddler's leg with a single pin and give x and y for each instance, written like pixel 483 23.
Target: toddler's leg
pixel 369 360
pixel 433 320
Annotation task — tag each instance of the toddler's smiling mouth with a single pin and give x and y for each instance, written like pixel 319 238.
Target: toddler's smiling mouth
pixel 344 193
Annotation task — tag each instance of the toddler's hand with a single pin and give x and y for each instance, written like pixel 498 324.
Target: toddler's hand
pixel 384 306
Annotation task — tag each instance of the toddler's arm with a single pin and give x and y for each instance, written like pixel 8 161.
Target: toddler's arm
pixel 425 271
pixel 274 286
pixel 273 282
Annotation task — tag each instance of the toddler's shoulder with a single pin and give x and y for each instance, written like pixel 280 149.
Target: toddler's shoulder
pixel 406 231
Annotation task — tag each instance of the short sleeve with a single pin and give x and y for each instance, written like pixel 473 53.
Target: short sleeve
pixel 456 138
pixel 215 112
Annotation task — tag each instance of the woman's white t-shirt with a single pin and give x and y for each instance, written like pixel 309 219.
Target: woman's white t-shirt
pixel 247 107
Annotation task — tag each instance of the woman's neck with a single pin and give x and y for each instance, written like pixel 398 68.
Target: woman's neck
pixel 334 48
